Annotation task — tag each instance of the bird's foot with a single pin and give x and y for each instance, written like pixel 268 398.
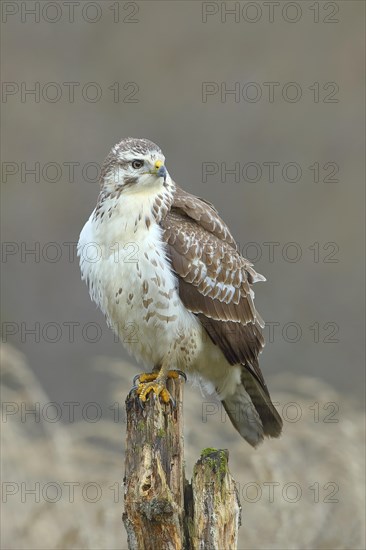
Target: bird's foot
pixel 152 382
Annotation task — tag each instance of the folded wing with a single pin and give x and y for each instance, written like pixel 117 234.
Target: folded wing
pixel 215 284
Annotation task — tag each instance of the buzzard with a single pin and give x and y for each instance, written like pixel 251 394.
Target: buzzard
pixel 165 270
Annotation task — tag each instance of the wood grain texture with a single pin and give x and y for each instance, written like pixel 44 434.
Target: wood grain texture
pixel 162 509
pixel 154 473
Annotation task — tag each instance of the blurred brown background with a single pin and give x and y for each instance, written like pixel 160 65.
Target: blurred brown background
pixel 159 57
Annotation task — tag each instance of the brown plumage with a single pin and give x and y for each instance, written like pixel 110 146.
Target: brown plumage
pixel 215 284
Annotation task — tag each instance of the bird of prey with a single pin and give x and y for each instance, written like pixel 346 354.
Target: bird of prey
pixel 165 270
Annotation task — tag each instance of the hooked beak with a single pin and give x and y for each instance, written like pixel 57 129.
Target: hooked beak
pixel 159 169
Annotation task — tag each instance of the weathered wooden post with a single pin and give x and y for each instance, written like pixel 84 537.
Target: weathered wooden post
pixel 162 510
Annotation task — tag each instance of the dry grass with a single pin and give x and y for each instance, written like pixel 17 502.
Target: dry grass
pixel 309 454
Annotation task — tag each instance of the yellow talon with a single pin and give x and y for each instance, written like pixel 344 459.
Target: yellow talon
pixel 149 382
pixel 147 377
pixel 146 388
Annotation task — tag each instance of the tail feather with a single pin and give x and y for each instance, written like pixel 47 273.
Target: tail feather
pixel 251 410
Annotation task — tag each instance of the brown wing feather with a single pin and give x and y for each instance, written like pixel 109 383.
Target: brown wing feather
pixel 214 279
pixel 204 213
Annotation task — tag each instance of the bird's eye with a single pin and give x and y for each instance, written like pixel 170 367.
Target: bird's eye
pixel 137 163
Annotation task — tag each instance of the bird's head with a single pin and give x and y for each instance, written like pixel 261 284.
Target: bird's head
pixel 134 165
